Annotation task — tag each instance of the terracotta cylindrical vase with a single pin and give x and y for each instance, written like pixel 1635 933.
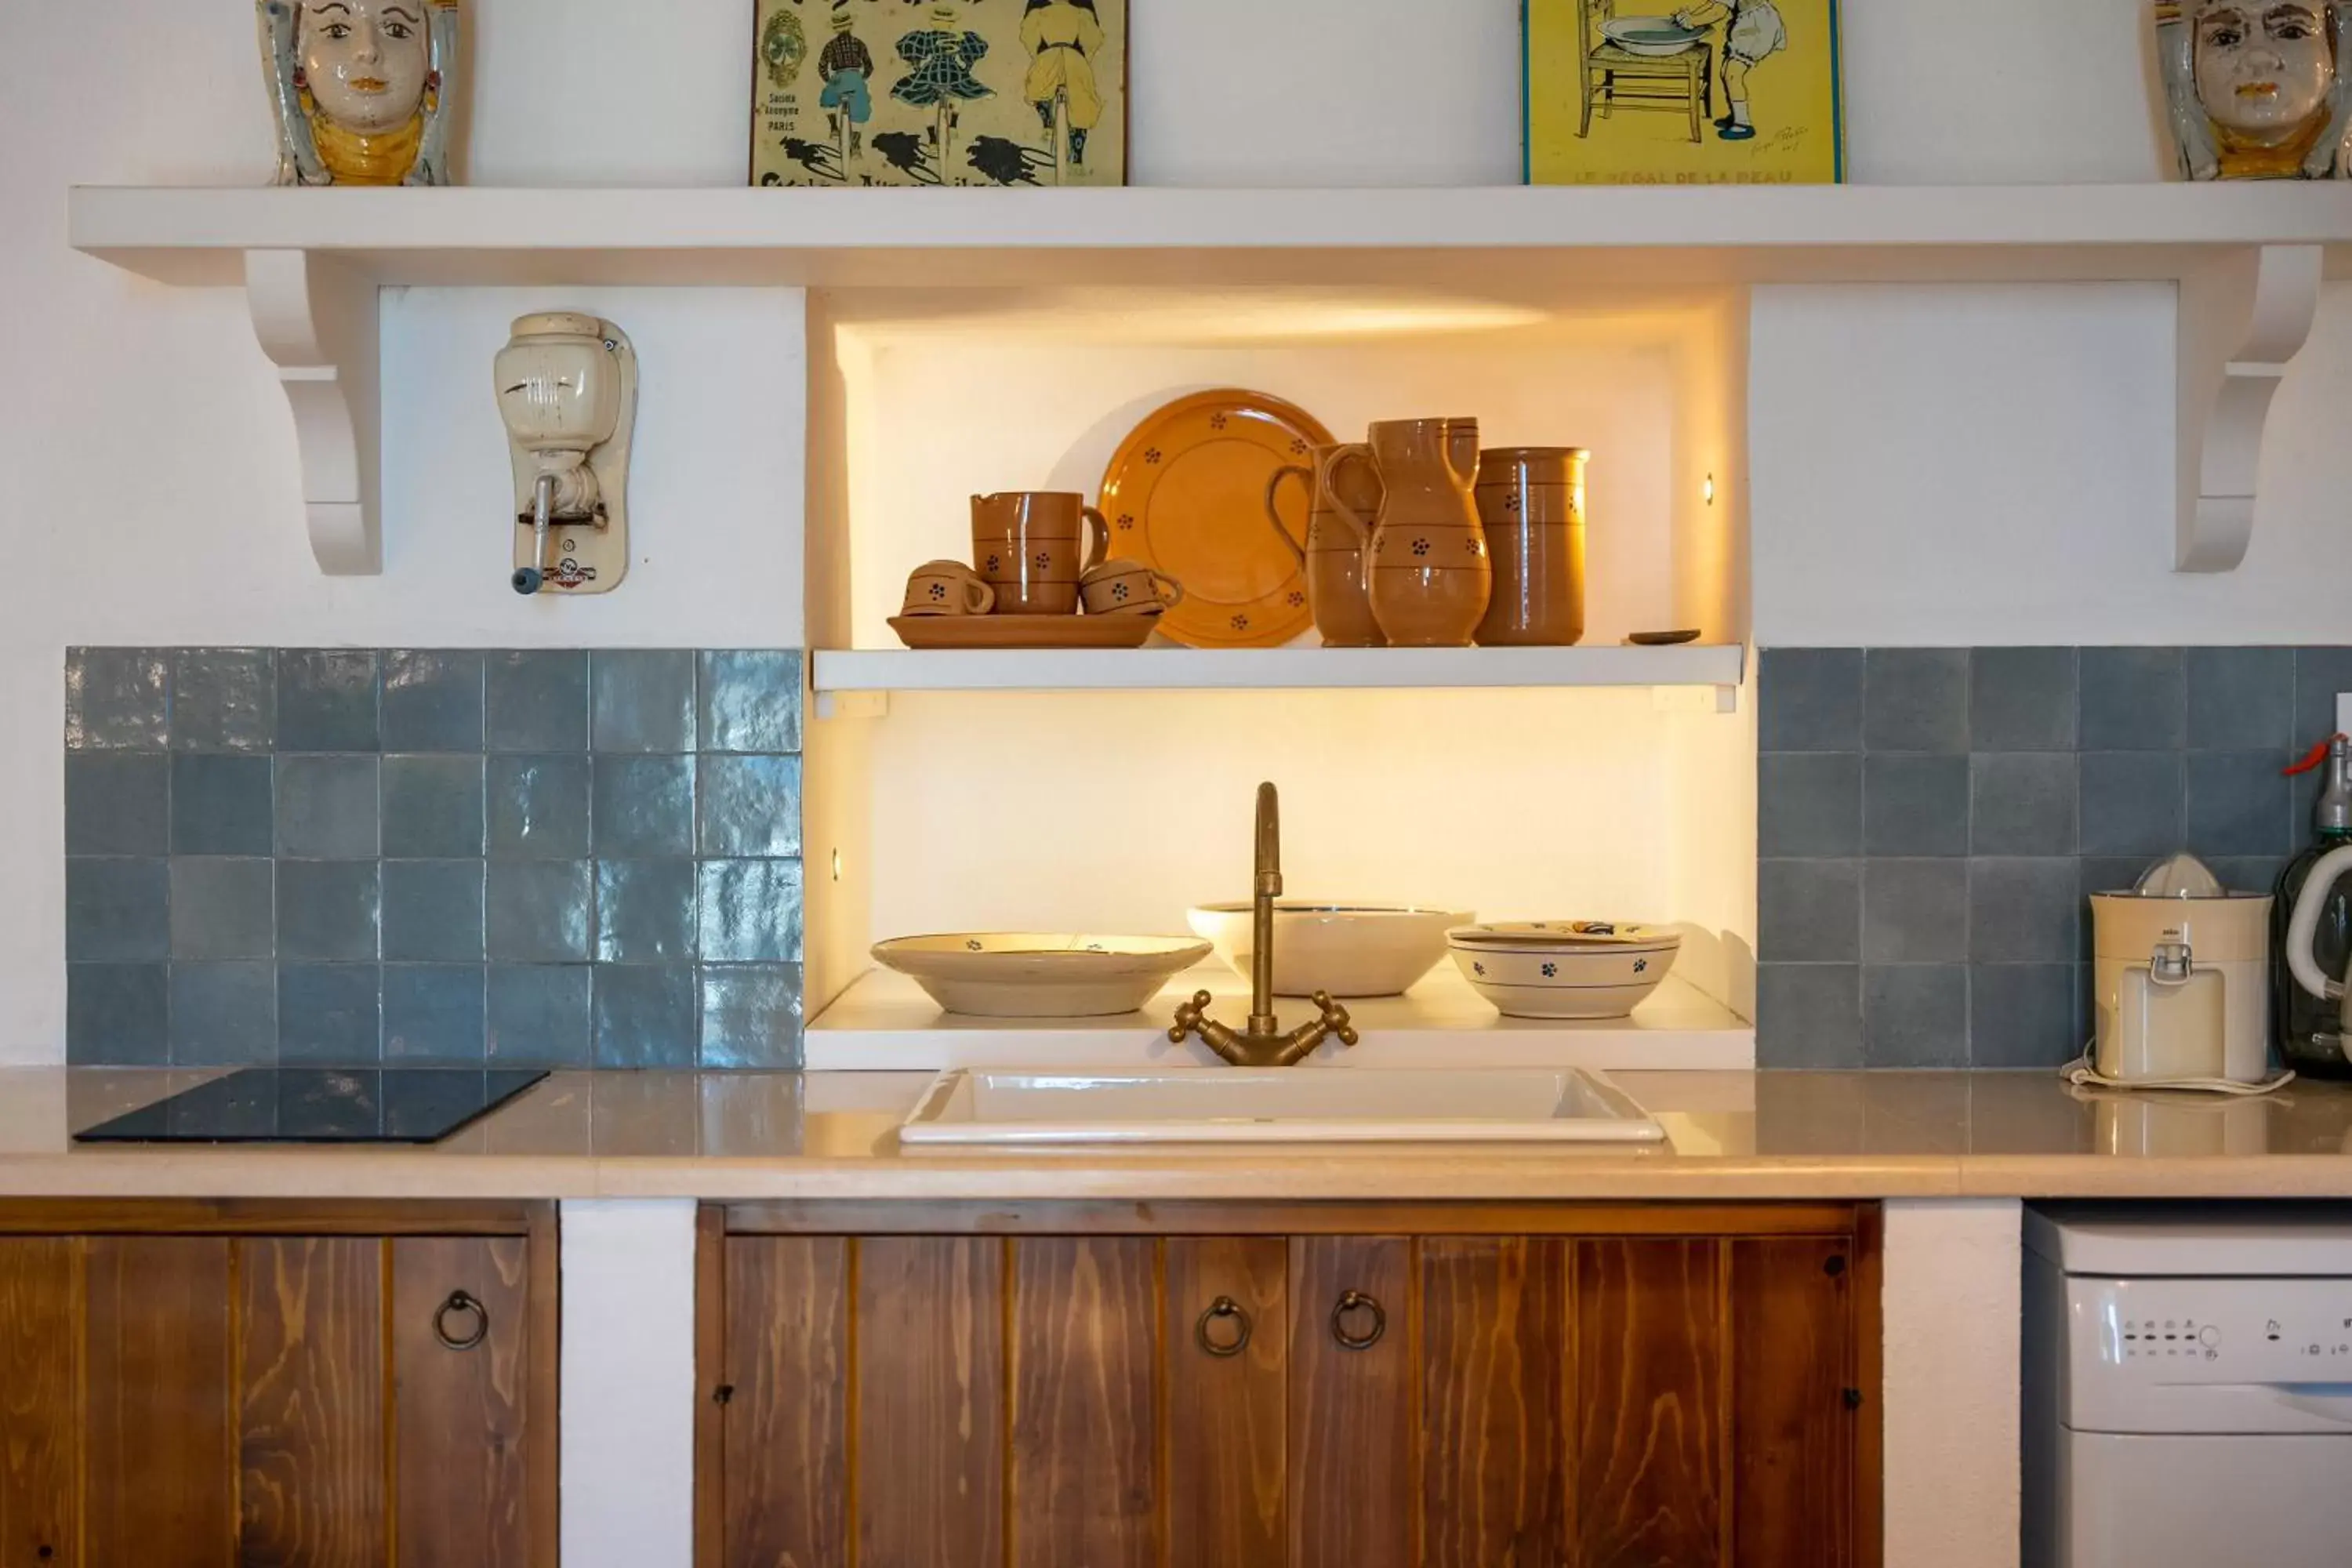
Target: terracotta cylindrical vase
pixel 1430 577
pixel 1531 504
pixel 1345 487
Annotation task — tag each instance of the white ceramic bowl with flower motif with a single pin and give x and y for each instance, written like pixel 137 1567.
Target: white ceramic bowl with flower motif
pixel 1039 974
pixel 1346 949
pixel 1529 972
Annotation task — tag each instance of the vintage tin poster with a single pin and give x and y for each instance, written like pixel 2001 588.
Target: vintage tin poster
pixel 1713 92
pixel 939 92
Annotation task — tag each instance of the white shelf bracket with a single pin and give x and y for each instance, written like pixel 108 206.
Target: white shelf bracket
pixel 2242 320
pixel 317 322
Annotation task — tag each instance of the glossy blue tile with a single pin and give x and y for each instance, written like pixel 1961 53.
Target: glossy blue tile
pixel 2133 700
pixel 2129 803
pixel 1808 911
pixel 224 1014
pixel 2021 698
pixel 1915 911
pixel 117 911
pixel 222 805
pixel 223 908
pixel 224 700
pixel 539 701
pixel 435 1013
pixel 751 911
pixel 2023 910
pixel 118 803
pixel 539 910
pixel 2321 675
pixel 2238 803
pixel 329 807
pixel 1915 804
pixel 1809 1015
pixel 327 699
pixel 327 910
pixel 2022 803
pixel 1808 804
pixel 1915 700
pixel 646 1016
pixel 432 910
pixel 330 1013
pixel 2241 699
pixel 433 806
pixel 644 911
pixel 117 698
pixel 751 701
pixel 2023 1015
pixel 539 808
pixel 751 1017
pixel 751 806
pixel 539 1014
pixel 1915 1016
pixel 117 1014
pixel 1809 700
pixel 644 807
pixel 642 701
pixel 433 699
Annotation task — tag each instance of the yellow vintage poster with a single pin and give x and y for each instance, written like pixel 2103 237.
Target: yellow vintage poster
pixel 939 92
pixel 1713 92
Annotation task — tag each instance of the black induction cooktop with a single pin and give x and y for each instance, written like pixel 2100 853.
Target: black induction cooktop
pixel 320 1105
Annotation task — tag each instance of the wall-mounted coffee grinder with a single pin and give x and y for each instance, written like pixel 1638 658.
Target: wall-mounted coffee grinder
pixel 567 385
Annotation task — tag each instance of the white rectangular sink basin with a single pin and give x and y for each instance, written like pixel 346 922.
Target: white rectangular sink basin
pixel 970 1108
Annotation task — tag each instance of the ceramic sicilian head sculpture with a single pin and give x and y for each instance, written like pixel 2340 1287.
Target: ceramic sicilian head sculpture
pixel 2258 89
pixel 361 89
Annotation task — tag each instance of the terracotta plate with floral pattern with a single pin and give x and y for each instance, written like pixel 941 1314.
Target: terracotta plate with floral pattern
pixel 1185 494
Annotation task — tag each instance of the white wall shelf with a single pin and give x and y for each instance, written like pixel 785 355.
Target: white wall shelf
pixel 1271 669
pixel 883 1021
pixel 2248 259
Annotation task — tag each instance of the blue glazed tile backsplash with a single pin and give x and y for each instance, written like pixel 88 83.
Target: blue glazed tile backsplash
pixel 556 856
pixel 1930 821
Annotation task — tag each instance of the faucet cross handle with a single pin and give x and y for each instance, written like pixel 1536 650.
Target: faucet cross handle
pixel 1334 1017
pixel 1189 1017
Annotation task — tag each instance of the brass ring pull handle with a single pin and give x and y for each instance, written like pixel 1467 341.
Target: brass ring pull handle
pixel 1225 1309
pixel 1357 1302
pixel 463 1306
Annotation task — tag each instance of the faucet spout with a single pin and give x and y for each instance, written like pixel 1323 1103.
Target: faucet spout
pixel 1264 1043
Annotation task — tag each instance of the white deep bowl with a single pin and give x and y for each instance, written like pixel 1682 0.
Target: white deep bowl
pixel 1654 36
pixel 1037 975
pixel 1557 980
pixel 1345 949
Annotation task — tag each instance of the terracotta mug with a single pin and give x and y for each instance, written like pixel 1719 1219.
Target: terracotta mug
pixel 1127 588
pixel 947 588
pixel 1344 488
pixel 1430 577
pixel 1531 504
pixel 1032 547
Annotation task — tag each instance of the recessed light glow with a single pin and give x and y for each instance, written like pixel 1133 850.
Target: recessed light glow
pixel 836 864
pixel 1706 490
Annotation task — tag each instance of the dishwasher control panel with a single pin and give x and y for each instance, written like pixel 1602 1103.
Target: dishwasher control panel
pixel 2191 1354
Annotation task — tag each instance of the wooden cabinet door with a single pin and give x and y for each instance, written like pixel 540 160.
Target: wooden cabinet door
pixel 1227 1333
pixel 38 1367
pixel 462 1451
pixel 1354 1360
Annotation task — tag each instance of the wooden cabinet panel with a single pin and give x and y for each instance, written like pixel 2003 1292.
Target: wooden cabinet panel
pixel 1352 1488
pixel 1496 1360
pixel 1084 1361
pixel 311 1400
pixel 1792 1447
pixel 786 1442
pixel 459 1446
pixel 930 1417
pixel 36 1401
pixel 1650 1447
pixel 161 1442
pixel 1227 1418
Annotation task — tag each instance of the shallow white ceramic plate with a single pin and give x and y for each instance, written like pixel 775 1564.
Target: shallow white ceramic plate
pixel 1039 974
pixel 1349 948
pixel 971 1110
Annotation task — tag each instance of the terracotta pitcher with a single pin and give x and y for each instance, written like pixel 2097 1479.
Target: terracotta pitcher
pixel 1531 503
pixel 1344 489
pixel 1431 578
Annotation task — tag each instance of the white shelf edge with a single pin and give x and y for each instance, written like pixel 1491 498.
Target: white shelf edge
pixel 883 1023
pixel 1271 669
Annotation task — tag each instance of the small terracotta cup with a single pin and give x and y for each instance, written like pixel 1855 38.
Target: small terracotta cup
pixel 1127 588
pixel 1032 547
pixel 948 588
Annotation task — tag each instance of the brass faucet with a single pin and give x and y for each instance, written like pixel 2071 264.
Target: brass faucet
pixel 1264 1045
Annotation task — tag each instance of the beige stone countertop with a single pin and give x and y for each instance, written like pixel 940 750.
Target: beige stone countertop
pixel 830 1136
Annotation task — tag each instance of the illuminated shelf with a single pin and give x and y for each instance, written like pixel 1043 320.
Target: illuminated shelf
pixel 1272 669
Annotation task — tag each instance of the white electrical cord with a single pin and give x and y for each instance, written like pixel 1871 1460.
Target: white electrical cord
pixel 2081 1073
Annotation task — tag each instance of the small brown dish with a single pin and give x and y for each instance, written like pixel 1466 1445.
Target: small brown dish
pixel 1024 631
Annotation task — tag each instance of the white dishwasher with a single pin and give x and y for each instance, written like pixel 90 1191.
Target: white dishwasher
pixel 2187 1393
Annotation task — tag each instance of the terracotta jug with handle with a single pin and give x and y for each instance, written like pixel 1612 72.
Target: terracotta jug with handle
pixel 1344 491
pixel 1431 576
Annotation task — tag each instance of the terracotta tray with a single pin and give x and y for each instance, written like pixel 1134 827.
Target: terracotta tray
pixel 1024 631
